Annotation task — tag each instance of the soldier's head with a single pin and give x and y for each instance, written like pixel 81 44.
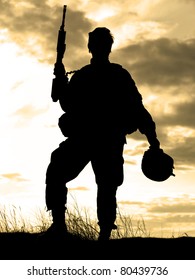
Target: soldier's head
pixel 100 41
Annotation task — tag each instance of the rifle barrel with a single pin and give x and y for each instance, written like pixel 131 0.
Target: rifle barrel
pixel 63 17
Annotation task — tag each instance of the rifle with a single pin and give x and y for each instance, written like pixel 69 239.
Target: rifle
pixel 61 72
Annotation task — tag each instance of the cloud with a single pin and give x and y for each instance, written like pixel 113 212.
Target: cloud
pixel 34 26
pixel 134 151
pixel 176 131
pixel 28 111
pixel 131 162
pixel 187 1
pixel 13 184
pixel 79 188
pixel 184 112
pixel 174 208
pixel 161 62
pixel 185 218
pixel 130 154
pixel 128 202
pixel 183 204
pixel 26 114
pixel 15 177
pixel 163 205
pixel 183 154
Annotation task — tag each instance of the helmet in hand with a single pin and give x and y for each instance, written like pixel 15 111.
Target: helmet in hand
pixel 157 165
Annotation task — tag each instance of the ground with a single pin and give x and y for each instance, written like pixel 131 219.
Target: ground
pixel 27 246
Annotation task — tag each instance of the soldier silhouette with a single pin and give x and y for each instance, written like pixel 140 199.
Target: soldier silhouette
pixel 102 105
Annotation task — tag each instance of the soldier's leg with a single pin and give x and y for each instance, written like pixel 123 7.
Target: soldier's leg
pixel 67 161
pixel 108 169
pixel 106 209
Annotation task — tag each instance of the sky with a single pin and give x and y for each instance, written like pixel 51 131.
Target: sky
pixel 155 41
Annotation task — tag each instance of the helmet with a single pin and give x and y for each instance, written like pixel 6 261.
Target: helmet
pixel 157 165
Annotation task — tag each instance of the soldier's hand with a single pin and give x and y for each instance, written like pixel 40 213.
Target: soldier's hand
pixel 59 70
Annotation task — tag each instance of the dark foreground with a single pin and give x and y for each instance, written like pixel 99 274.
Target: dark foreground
pixel 26 246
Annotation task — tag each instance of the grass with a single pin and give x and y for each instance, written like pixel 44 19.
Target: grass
pixel 78 222
pixel 22 239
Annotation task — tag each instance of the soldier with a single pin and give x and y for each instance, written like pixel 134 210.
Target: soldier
pixel 102 105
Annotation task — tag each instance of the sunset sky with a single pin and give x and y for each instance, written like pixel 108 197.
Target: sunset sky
pixel 155 42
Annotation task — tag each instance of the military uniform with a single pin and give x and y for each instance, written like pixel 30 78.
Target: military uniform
pixel 102 105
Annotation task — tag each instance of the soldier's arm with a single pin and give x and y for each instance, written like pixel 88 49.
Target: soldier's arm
pixel 68 94
pixel 60 82
pixel 145 122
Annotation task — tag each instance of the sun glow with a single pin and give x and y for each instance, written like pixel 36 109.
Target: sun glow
pixel 101 14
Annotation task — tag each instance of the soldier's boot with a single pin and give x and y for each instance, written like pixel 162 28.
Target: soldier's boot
pixel 55 202
pixel 105 232
pixel 58 227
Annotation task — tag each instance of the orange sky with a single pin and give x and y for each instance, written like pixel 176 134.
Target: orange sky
pixel 155 41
